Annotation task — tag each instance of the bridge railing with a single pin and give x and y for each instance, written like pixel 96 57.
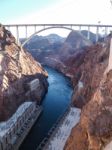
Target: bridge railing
pixel 37 28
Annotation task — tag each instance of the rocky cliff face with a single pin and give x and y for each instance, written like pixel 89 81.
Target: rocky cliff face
pixel 77 40
pixel 61 56
pixel 21 77
pixel 73 43
pixel 58 49
pixel 92 82
pixel 41 46
pixel 86 68
pixel 90 69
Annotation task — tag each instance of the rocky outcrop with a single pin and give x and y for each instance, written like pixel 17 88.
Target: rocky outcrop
pixel 57 50
pixel 41 46
pixel 86 68
pixel 77 40
pixel 73 43
pixel 21 77
pixel 93 94
pixel 92 36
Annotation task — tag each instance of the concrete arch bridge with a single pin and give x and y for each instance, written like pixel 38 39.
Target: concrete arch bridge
pixel 97 28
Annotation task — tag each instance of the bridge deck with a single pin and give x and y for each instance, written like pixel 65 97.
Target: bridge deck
pixel 64 26
pixel 83 25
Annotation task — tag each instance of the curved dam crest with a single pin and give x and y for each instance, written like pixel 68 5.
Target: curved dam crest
pixel 54 105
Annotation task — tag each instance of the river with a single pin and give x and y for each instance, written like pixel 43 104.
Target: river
pixel 54 104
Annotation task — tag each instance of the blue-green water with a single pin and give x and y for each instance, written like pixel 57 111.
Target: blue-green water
pixel 54 104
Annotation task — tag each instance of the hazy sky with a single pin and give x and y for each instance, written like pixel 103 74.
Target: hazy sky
pixel 55 11
pixel 19 10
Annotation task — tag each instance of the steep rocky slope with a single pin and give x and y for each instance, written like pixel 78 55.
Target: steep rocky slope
pixel 86 68
pixel 21 77
pixel 41 46
pixel 52 50
pixel 92 35
pixel 73 43
pixel 77 40
pixel 93 92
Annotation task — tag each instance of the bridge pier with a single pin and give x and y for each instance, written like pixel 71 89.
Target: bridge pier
pixel 44 27
pixel 106 31
pixel 26 32
pixel 8 28
pixel 88 34
pixel 79 28
pixel 17 34
pixel 35 29
pixel 97 33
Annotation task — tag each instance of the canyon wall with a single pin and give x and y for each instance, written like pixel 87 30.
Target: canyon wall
pixel 21 77
pixel 92 92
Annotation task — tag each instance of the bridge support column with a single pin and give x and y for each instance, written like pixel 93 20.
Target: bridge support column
pixel 17 34
pixel 35 29
pixel 79 28
pixel 8 28
pixel 97 33
pixel 43 26
pixel 106 31
pixel 26 33
pixel 88 34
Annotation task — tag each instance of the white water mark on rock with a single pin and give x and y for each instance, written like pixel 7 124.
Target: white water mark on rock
pixel 80 85
pixel 0 68
pixel 109 67
pixel 1 58
pixel 108 146
pixel 34 84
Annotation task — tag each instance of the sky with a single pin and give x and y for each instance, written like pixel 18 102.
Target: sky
pixel 55 11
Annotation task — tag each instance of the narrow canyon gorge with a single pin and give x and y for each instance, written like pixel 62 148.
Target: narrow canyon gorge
pixel 86 63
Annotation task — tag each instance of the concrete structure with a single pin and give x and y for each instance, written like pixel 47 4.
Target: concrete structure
pixel 14 131
pixel 58 134
pixel 34 84
pixel 89 27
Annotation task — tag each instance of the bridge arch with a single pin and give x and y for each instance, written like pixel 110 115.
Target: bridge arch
pixel 46 28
